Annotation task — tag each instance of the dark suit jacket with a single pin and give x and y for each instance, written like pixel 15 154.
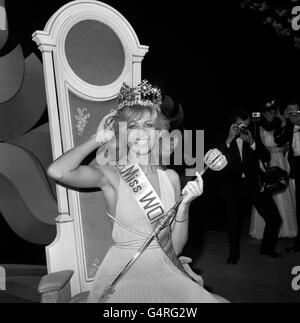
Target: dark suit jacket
pixel 232 173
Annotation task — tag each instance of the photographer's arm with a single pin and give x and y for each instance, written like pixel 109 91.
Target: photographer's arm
pixel 232 135
pixel 258 149
pixel 262 152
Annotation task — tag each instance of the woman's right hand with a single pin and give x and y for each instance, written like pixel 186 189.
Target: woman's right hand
pixel 105 129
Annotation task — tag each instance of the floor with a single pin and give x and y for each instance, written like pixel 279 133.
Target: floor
pixel 256 278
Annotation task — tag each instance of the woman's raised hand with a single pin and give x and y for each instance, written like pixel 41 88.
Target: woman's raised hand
pixel 105 129
pixel 192 190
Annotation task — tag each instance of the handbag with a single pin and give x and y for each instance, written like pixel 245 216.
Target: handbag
pixel 273 180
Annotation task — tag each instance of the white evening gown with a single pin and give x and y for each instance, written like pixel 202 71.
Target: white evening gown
pixel 153 278
pixel 285 201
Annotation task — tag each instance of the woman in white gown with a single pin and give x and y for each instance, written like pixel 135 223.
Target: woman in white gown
pixel 285 201
pixel 155 277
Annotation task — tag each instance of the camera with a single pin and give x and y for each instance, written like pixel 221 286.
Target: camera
pixel 256 115
pixel 243 128
pixel 294 114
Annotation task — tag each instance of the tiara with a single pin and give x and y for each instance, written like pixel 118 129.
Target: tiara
pixel 143 94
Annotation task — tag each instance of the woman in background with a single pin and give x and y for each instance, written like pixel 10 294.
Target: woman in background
pixel 272 124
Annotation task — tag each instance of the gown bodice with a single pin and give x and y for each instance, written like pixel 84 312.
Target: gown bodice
pixel 131 226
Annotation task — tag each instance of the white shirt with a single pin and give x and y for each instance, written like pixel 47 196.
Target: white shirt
pixel 296 141
pixel 239 142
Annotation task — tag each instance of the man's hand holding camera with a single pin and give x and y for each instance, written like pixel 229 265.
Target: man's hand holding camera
pixel 246 136
pixel 233 133
pixel 292 113
pixel 239 130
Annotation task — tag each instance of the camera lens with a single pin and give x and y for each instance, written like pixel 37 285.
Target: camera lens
pixel 243 129
pixel 294 113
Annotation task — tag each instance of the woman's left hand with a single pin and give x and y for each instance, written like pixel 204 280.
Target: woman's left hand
pixel 192 190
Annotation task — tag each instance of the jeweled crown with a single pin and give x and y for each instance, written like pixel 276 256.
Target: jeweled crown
pixel 143 94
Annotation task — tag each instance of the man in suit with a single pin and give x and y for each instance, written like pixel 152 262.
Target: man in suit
pixel 291 135
pixel 240 189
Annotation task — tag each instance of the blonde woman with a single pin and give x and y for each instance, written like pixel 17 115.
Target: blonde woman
pixel 137 190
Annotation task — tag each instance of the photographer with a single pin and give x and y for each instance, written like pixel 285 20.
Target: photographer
pixel 239 186
pixel 291 135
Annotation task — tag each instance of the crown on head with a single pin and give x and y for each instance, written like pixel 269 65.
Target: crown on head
pixel 143 94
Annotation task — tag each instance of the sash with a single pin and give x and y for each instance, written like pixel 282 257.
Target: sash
pixel 151 206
